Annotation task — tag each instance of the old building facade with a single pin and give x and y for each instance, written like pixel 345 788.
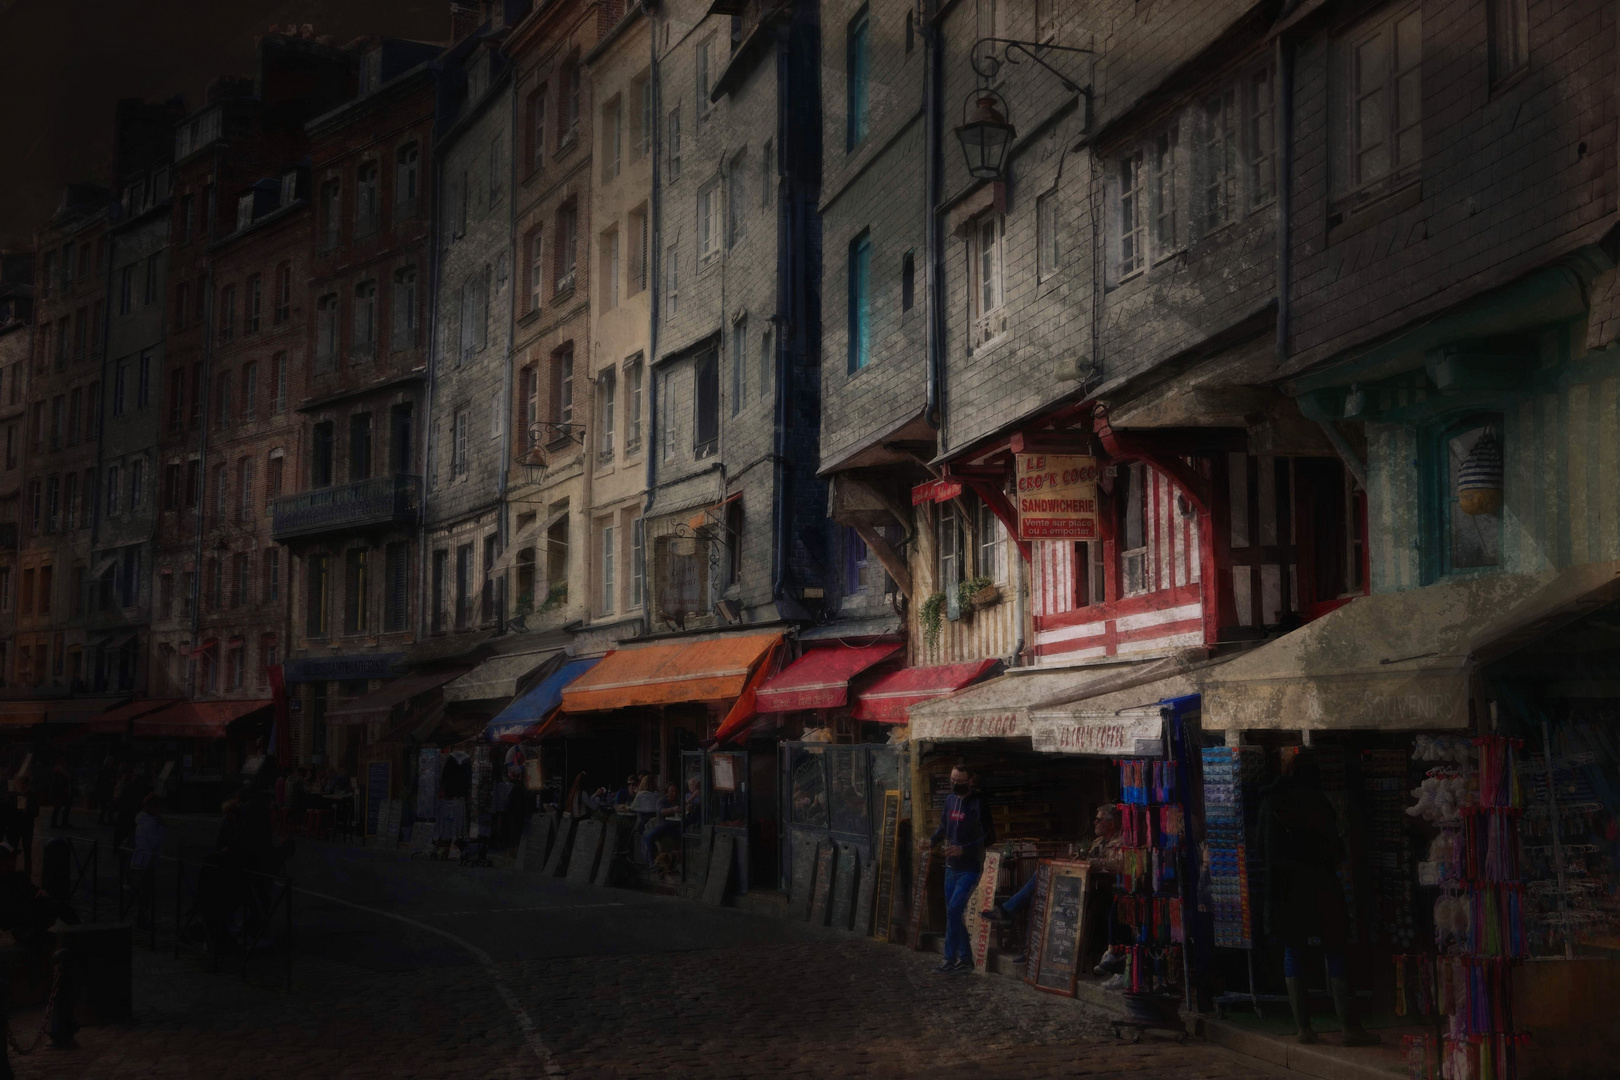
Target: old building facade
pixel 16 361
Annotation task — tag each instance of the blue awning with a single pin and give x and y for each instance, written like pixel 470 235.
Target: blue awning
pixel 531 710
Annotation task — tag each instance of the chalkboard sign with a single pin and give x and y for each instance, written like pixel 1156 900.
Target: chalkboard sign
pixel 377 774
pixel 1063 933
pixel 802 883
pixel 721 856
pixel 887 861
pixel 843 899
pixel 1037 921
pixel 984 894
pixel 863 897
pixel 823 894
pixel 427 785
pixel 587 845
pixel 919 898
pixel 617 827
pixel 561 845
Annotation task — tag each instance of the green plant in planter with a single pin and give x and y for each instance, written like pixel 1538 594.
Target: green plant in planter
pixel 967 590
pixel 932 614
pixel 556 597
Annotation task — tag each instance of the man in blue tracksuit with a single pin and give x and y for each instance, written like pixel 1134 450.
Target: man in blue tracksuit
pixel 966 828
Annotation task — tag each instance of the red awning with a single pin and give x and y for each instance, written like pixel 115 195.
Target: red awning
pixel 888 698
pixel 378 704
pixel 196 719
pixel 820 678
pixel 746 707
pixel 116 721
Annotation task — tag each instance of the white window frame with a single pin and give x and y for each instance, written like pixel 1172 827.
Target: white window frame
pixel 1222 168
pixel 708 221
pixel 1399 82
pixel 1131 215
pixel 988 276
pixel 1169 223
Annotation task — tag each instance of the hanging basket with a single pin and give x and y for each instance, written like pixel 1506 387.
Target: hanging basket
pixel 1479 481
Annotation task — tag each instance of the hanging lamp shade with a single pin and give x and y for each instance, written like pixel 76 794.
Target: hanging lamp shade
pixel 986 137
pixel 1479 481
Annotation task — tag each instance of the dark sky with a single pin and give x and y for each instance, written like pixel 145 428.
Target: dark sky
pixel 65 63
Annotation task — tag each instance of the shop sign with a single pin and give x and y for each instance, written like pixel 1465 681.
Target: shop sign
pixel 1057 497
pixel 988 725
pixel 340 668
pixel 936 491
pixel 1135 735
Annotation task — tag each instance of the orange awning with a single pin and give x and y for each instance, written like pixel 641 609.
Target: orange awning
pixel 23 713
pixel 116 721
pixel 195 719
pixel 712 670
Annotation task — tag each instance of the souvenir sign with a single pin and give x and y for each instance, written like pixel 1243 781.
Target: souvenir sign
pixel 1057 497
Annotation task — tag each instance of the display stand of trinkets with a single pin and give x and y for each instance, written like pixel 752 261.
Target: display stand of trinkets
pixel 1148 891
pixel 1232 779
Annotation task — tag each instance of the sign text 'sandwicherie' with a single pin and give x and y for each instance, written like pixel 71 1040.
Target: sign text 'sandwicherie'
pixel 1057 497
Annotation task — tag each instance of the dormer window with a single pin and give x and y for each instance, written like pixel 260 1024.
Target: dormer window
pixel 244 211
pixel 289 188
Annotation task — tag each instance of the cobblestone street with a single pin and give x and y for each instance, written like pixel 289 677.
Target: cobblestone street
pixel 488 973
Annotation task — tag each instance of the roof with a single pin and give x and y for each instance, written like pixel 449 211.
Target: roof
pixel 715 669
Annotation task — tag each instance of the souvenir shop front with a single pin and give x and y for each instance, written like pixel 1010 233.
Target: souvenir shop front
pixel 1464 734
pixel 1047 760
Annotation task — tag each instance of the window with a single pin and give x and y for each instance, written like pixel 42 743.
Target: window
pixel 250 390
pixel 1510 37
pixel 1220 158
pixel 254 305
pixel 607 406
pixel 320 458
pixel 441 564
pixel 739 365
pixel 182 304
pixel 1474 494
pixel 633 374
pixel 529 404
pixel 70 503
pixel 609 288
pixel 557 550
pixel 278 383
pixel 571 88
pixel 673 150
pixel 638 572
pixel 326 324
pixel 706 406
pixel 705 59
pixel 1130 489
pixel 244 489
pixel 459 453
pixel 137 485
pixel 497 413
pixel 187 209
pixel 403 320
pixel 672 281
pixel 406 179
pixel 1262 136
pixel 639 245
pixel 857 67
pixel 241 582
pixel 113 478
pixel 531 252
pixel 1385 106
pixel 990 322
pixel 270 575
pixel 196 395
pixel 222 491
pixel 126 288
pixel 948 545
pixel 736 201
pixel 855 556
pixel 562 386
pixel 356 590
pixel 641 89
pixel 396 587
pixel 605 603
pixel 1131 216
pixel 612 138
pixel 860 294
pixel 468 320
pixel 331 213
pixel 315 624
pixel 537 128
pixel 567 242
pixel 1166 190
pixel 666 416
pixel 120 381
pixel 193 483
pixel 991 536
pixel 222 412
pixel 365 320
pixel 708 221
pixel 401 422
pixel 464 572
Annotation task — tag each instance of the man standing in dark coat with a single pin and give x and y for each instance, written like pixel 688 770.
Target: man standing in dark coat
pixel 1304 900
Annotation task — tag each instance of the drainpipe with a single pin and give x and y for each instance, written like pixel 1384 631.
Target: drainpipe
pixel 933 84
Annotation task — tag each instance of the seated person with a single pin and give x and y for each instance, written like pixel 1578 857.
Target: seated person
pixel 1103 854
pixel 668 825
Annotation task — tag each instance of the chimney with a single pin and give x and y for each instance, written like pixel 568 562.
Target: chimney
pixel 464 19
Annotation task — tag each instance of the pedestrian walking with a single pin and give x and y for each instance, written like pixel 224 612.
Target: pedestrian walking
pixel 966 828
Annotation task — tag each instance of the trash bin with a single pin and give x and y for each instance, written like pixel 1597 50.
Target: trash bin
pixel 101 970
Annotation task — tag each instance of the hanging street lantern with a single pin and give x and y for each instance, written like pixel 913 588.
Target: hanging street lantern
pixel 986 135
pixel 1479 479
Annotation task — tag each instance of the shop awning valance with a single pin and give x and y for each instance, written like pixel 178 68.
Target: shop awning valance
pixel 714 669
pixel 14 714
pixel 820 678
pixel 195 719
pixel 1000 707
pixel 378 704
pixel 1399 661
pixel 116 721
pixel 525 716
pixel 500 676
pixel 889 696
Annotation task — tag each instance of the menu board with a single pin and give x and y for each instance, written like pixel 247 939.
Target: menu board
pixel 1037 921
pixel 919 898
pixel 984 894
pixel 823 894
pixel 843 893
pixel 1063 928
pixel 888 861
pixel 377 774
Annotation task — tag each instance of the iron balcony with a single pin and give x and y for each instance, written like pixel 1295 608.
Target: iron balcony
pixel 379 501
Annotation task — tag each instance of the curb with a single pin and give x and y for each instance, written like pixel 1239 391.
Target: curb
pixel 1324 1060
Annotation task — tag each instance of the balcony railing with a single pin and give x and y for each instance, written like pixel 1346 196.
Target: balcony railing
pixel 382 500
